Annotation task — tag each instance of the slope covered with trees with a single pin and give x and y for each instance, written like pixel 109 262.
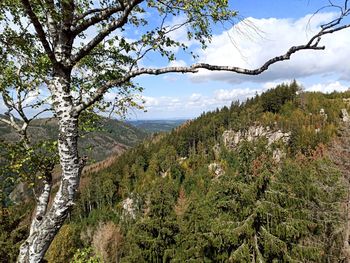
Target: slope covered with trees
pixel 97 140
pixel 188 197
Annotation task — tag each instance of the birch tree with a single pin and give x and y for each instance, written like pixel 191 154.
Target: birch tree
pixel 73 52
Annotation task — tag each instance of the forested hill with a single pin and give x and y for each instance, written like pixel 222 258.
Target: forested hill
pixel 152 126
pixel 96 142
pixel 253 182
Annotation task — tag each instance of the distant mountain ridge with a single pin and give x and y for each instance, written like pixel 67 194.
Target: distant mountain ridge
pixel 97 145
pixel 152 126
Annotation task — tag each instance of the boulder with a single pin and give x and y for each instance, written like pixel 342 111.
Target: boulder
pixel 277 155
pixel 324 114
pixel 216 169
pixel 344 115
pixel 232 138
pixel 129 207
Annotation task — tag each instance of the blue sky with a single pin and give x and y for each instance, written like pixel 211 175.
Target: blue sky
pixel 280 24
pixel 262 30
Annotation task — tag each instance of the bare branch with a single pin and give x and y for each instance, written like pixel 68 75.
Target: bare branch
pixel 312 44
pixel 18 106
pixel 103 14
pixel 10 123
pixel 39 30
pixel 68 8
pixel 39 113
pixel 77 18
pixel 194 69
pixel 105 32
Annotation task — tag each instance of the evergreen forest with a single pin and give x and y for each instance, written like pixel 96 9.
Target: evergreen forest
pixel 264 180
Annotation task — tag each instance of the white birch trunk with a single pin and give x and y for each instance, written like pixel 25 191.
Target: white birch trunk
pixel 46 224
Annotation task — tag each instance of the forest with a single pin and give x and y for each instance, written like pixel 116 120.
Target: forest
pixel 162 201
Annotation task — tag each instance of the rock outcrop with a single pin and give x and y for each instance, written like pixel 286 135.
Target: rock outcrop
pixel 216 169
pixel 233 138
pixel 324 114
pixel 278 154
pixel 344 115
pixel 129 207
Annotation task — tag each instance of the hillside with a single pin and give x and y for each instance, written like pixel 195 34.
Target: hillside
pixel 152 126
pixel 97 145
pixel 265 180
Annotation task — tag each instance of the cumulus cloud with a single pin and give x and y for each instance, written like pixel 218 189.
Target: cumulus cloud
pixel 195 97
pixel 180 34
pixel 328 87
pixel 196 103
pixel 266 38
pixel 150 101
pixel 223 95
pixel 177 63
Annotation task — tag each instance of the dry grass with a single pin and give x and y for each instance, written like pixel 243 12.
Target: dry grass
pixel 106 241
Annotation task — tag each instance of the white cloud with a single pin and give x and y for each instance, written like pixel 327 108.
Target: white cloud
pixel 271 37
pixel 196 103
pixel 150 101
pixel 328 87
pixel 195 97
pixel 223 95
pixel 180 34
pixel 177 63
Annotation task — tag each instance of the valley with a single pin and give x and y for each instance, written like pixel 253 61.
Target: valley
pixel 265 178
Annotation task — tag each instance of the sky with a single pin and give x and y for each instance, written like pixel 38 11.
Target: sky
pixel 263 30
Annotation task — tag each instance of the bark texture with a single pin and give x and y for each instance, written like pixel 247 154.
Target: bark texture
pixel 46 224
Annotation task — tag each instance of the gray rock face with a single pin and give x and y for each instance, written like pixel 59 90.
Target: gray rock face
pixel 216 150
pixel 278 154
pixel 345 115
pixel 232 138
pixel 324 114
pixel 347 101
pixel 129 207
pixel 216 169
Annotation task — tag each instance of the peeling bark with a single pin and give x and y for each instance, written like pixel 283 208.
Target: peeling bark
pixel 45 226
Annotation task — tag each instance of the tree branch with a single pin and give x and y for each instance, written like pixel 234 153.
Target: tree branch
pixel 39 30
pixel 77 18
pixel 39 113
pixel 105 32
pixel 312 44
pixel 68 8
pixel 103 14
pixel 192 69
pixel 10 123
pixel 51 23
